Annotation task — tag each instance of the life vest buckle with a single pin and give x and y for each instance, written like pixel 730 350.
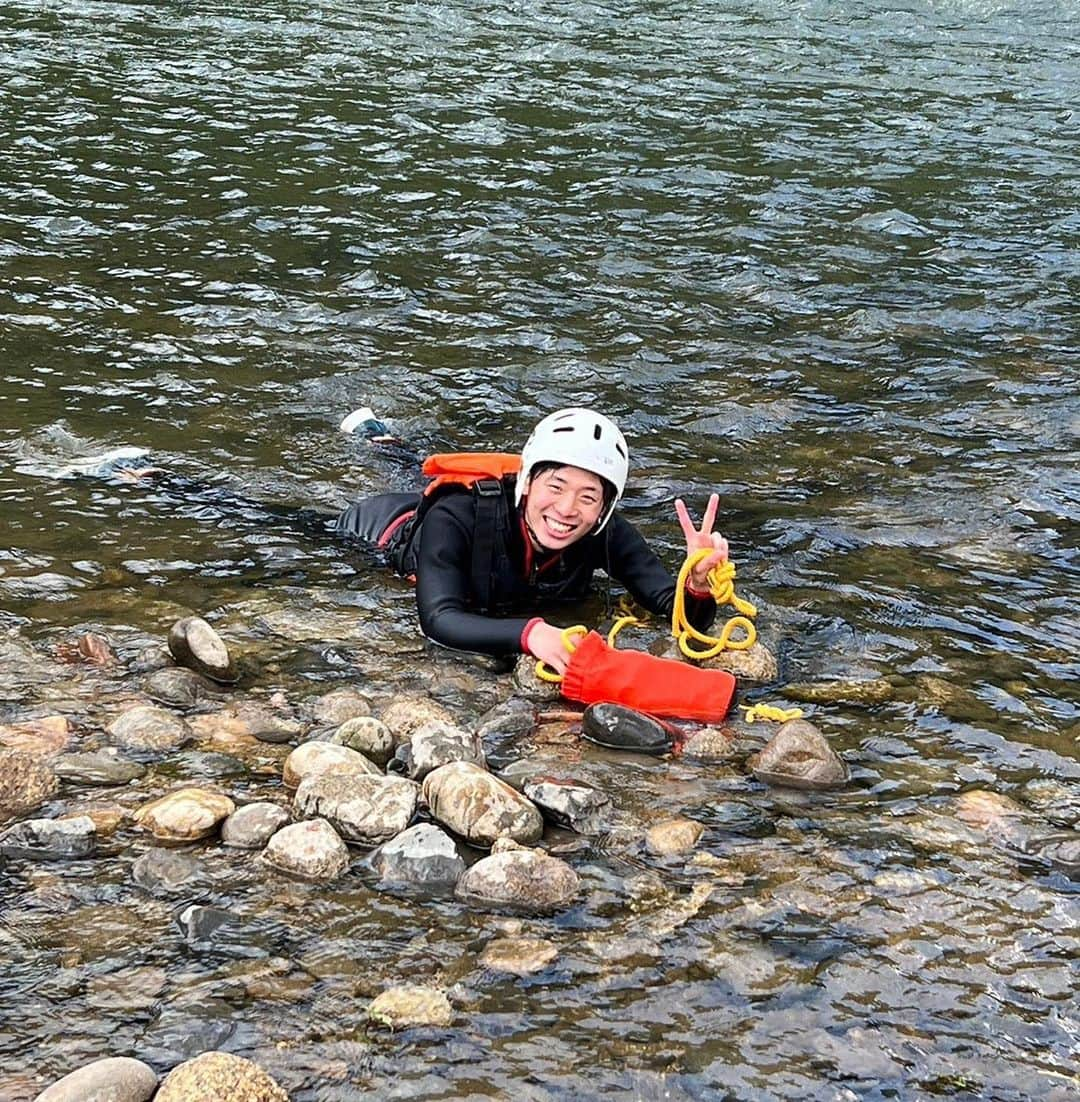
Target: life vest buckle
pixel 488 487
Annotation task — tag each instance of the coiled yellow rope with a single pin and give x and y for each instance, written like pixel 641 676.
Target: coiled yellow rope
pixel 771 712
pixel 722 588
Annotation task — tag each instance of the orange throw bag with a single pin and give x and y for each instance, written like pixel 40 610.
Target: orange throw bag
pixel 661 686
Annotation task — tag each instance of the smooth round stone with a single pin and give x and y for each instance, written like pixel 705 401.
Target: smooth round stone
pixel 518 879
pixel 621 728
pixel 43 737
pixel 106 817
pixel 519 956
pixel 114 1079
pixel 166 872
pixel 311 758
pixel 365 809
pixel 421 857
pixel 339 706
pixel 50 839
pixel 433 744
pixel 179 688
pixel 26 782
pixel 146 727
pixel 219 1077
pixel 185 815
pixel 195 644
pixel 98 767
pixel 799 756
pixel 480 807
pixel 529 685
pixel 405 714
pixel 368 736
pixel 755 663
pixel 401 1007
pixel 312 850
pixel 673 837
pixel 252 826
pixel 710 744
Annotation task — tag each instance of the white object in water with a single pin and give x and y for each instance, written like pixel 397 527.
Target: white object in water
pixel 102 464
pixel 364 419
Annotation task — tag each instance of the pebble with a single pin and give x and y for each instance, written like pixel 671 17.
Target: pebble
pixel 519 956
pixel 799 756
pixel 312 850
pixel 167 872
pixel 400 1007
pixel 146 727
pixel 673 837
pixel 479 807
pixel 368 736
pixel 219 1077
pixel 113 1079
pixel 252 826
pixel 518 879
pixel 420 857
pixel 98 767
pixel 364 809
pixel 50 839
pixel 185 815
pixel 195 644
pixel 312 758
pixel 26 782
pixel 339 706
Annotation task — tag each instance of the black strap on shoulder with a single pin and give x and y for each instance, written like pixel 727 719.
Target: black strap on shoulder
pixel 490 526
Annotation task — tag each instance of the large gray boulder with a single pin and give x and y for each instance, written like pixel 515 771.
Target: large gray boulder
pixel 799 756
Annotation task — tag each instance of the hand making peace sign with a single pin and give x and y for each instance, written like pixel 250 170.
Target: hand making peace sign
pixel 703 538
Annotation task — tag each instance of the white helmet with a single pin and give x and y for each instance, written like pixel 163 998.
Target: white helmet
pixel 578 438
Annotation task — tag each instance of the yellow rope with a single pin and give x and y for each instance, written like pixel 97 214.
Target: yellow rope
pixel 770 711
pixel 620 623
pixel 544 671
pixel 722 588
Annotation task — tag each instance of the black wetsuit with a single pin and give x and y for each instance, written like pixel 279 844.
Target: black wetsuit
pixel 439 550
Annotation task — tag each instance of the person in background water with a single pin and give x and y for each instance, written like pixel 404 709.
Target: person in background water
pixel 492 564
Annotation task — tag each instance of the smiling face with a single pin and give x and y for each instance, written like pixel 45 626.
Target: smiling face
pixel 562 505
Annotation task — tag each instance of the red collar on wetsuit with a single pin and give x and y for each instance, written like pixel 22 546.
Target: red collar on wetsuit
pixel 530 554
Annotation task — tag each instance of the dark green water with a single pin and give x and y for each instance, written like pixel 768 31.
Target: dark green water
pixel 824 258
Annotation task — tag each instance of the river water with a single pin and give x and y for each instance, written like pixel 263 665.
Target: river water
pixel 821 257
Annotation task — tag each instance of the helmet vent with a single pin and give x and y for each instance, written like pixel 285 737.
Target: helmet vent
pixel 566 428
pixel 596 432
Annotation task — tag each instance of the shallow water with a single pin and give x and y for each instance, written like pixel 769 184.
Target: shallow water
pixel 817 256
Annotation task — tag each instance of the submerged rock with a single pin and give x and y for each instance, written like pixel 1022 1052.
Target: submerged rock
pixel 50 839
pixel 368 736
pixel 480 807
pixel 43 737
pixel 195 644
pixel 510 720
pixel 26 782
pixel 434 744
pixel 146 727
pixel 413 1005
pixel 798 756
pixel 99 767
pixel 519 956
pixel 755 663
pixel 673 837
pixel 252 826
pixel 185 815
pixel 365 809
pixel 167 872
pixel 529 685
pixel 266 723
pixel 339 706
pixel 420 857
pixel 310 759
pixel 570 803
pixel 312 850
pixel 711 744
pixel 219 1077
pixel 862 693
pixel 407 713
pixel 180 688
pixel 114 1079
pixel 622 728
pixel 1055 800
pixel 518 879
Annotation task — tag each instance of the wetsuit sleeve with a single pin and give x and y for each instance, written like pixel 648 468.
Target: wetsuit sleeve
pixel 443 570
pixel 634 564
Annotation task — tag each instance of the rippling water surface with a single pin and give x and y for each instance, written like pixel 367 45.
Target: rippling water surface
pixel 819 256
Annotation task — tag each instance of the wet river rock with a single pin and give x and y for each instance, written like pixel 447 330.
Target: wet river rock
pixel 514 878
pixel 185 815
pixel 195 644
pixel 26 782
pixel 148 728
pixel 114 1079
pixel 755 663
pixel 49 839
pixel 312 850
pixel 252 826
pixel 519 956
pixel 368 736
pixel 799 756
pixel 673 837
pixel 312 758
pixel 405 714
pixel 339 706
pixel 176 687
pixel 569 803
pixel 711 744
pixel 433 744
pixel 622 728
pixel 43 737
pixel 365 809
pixel 167 872
pixel 529 685
pixel 1055 800
pixel 99 767
pixel 420 857
pixel 864 693
pixel 479 807
pixel 221 1077
pixel 413 1005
